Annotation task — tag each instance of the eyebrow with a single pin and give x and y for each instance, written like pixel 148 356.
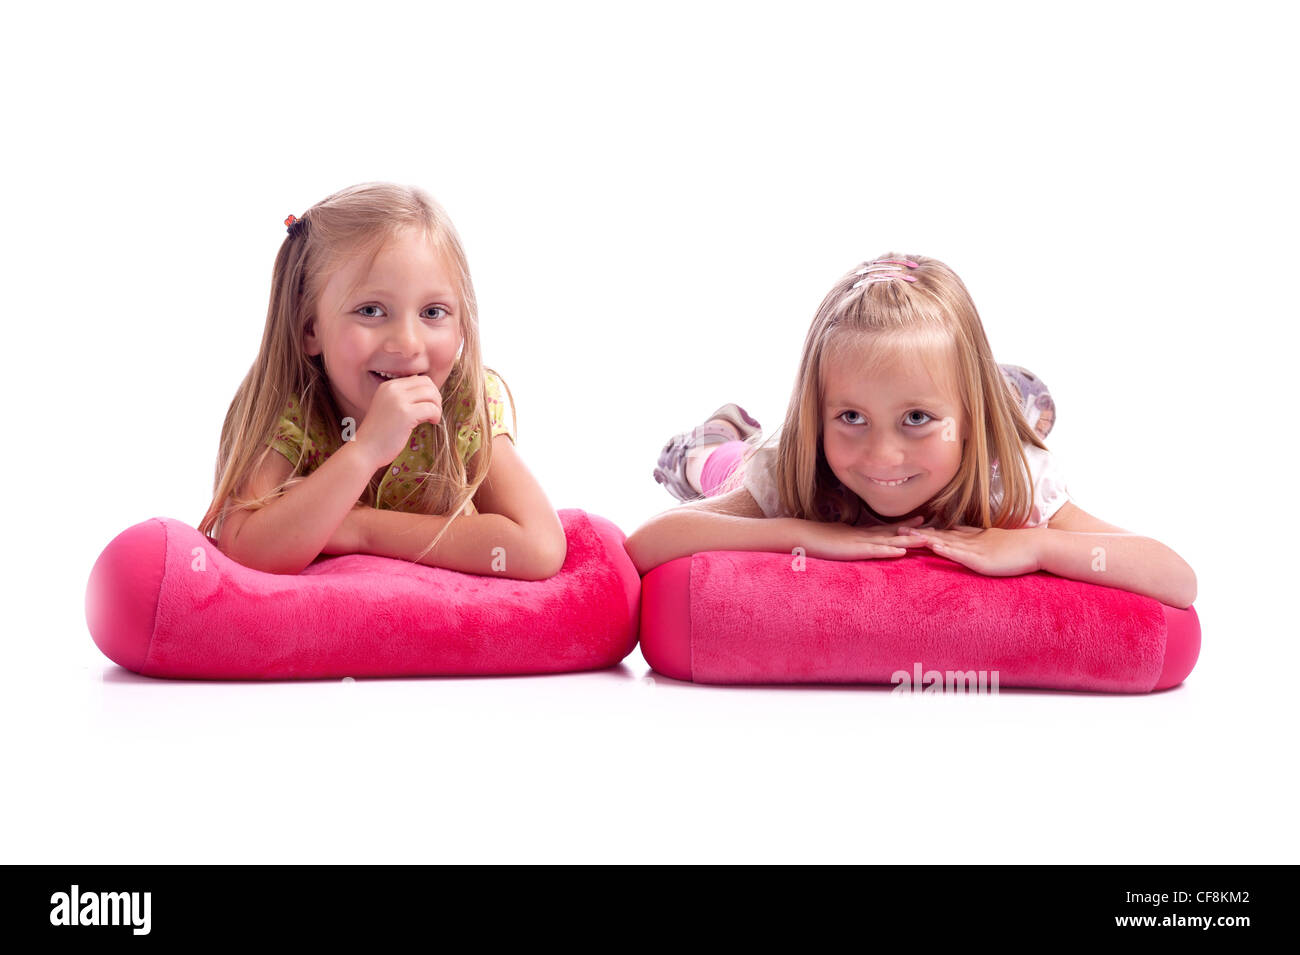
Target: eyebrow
pixel 384 293
pixel 908 403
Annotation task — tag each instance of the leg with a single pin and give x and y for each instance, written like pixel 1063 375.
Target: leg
pixel 717 465
pixel 687 468
pixel 1031 394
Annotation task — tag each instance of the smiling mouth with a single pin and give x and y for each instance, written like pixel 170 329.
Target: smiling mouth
pixel 898 483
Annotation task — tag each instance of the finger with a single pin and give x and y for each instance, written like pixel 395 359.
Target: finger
pixel 955 552
pixel 914 542
pixel 421 383
pixel 949 551
pixel 428 411
pixel 935 543
pixel 884 550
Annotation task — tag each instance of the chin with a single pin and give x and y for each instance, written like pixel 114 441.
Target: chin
pixel 890 512
pixel 889 508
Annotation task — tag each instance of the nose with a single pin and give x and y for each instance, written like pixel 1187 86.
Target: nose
pixel 404 336
pixel 882 454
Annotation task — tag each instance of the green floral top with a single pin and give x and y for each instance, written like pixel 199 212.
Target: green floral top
pixel 398 483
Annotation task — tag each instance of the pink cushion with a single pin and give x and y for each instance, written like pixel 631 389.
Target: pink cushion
pixel 165 602
pixel 741 617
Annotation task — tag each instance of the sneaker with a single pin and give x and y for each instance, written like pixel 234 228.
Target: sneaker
pixel 671 470
pixel 739 419
pixel 1034 398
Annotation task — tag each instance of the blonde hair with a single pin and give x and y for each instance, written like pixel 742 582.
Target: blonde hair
pixel 934 321
pixel 358 220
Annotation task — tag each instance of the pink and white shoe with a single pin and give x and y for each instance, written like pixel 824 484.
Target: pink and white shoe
pixel 1034 398
pixel 729 423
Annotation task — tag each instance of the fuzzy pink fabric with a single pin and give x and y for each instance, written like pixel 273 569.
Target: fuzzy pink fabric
pixel 740 617
pixel 152 610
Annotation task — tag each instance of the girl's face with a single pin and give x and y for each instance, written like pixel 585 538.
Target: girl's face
pixel 897 426
pixel 400 315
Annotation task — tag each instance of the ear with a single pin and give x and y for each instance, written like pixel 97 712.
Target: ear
pixel 309 339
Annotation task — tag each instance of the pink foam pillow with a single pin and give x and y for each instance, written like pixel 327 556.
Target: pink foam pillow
pixel 747 617
pixel 165 602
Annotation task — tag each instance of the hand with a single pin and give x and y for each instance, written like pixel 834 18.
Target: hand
pixel 992 551
pixel 398 407
pixel 834 541
pixel 349 537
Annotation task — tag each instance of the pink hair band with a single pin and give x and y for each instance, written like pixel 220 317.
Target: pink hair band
pixel 884 278
pixel 878 267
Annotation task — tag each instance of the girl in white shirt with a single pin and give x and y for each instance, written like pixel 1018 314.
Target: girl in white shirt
pixel 895 437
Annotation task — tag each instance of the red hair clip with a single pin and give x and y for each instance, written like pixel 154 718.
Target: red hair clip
pixel 295 225
pixel 291 220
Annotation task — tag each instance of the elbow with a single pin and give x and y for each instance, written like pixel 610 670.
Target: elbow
pixel 267 568
pixel 645 556
pixel 546 558
pixel 653 544
pixel 635 548
pixel 1181 593
pixel 1186 586
pixel 551 561
pixel 237 544
pixel 251 561
pixel 236 554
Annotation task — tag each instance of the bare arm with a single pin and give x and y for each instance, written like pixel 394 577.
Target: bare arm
pixel 290 532
pixel 519 535
pixel 489 544
pixel 511 491
pixel 1079 546
pixel 732 521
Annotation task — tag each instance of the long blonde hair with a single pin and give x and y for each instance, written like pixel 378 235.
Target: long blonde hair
pixel 932 320
pixel 358 220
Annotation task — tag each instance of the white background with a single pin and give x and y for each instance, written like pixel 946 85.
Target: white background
pixel 654 200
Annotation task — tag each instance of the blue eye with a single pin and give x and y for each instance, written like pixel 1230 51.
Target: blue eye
pixel 374 311
pixel 928 418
